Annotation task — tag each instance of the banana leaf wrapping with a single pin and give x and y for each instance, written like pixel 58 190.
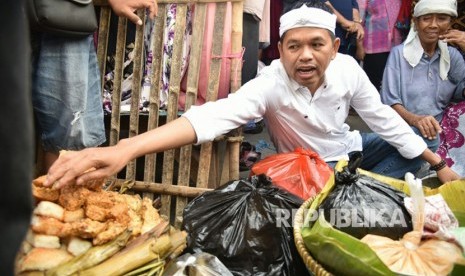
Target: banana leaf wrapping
pixel 339 253
pixel 413 255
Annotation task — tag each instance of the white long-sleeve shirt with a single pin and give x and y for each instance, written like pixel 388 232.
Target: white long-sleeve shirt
pixel 295 118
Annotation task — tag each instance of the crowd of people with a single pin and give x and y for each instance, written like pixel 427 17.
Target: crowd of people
pixel 304 96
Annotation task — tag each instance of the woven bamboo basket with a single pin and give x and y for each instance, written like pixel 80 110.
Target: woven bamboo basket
pixel 312 265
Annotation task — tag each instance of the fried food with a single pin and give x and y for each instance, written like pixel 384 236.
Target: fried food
pixel 49 209
pixel 78 246
pixel 70 216
pixel 73 197
pixel 150 215
pixel 47 226
pixel 113 230
pixel 43 193
pixel 84 228
pixel 43 258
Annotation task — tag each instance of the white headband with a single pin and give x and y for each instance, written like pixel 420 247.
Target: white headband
pixel 435 6
pixel 307 17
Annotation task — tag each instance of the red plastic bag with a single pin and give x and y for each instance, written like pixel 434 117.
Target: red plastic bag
pixel 301 172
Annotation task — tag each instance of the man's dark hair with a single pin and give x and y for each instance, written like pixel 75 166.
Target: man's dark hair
pixel 319 4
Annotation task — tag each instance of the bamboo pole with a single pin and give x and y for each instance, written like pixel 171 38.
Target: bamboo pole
pixel 212 90
pixel 102 46
pixel 185 157
pixel 165 189
pixel 136 89
pixel 154 99
pixel 117 81
pixel 173 96
pixel 233 145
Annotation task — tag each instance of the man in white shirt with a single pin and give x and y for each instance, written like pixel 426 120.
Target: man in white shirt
pixel 304 97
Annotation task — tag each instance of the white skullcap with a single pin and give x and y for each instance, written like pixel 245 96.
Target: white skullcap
pixel 307 17
pixel 435 6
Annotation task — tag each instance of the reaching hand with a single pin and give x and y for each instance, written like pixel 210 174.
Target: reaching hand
pixel 447 174
pixel 127 8
pixel 89 164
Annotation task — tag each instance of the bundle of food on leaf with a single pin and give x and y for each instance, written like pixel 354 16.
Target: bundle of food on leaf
pixel 356 206
pixel 87 230
pixel 413 255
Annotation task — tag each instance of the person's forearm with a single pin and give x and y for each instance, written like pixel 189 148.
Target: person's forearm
pixel 339 17
pixel 172 135
pixel 356 16
pixel 409 117
pixel 430 157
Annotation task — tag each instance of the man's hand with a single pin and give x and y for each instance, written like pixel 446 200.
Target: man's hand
pixel 428 126
pixel 76 167
pixel 447 174
pixel 127 8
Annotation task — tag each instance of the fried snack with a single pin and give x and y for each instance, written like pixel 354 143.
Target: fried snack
pixel 150 215
pixel 71 216
pixel 49 209
pixel 113 230
pixel 97 213
pixel 47 226
pixel 78 246
pixel 44 241
pixel 73 197
pixel 43 193
pixel 84 228
pixel 43 258
pixel 39 181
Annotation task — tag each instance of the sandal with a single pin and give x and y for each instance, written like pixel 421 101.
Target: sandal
pixel 248 156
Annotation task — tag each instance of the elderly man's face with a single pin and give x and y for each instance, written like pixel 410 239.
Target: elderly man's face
pixel 306 53
pixel 430 26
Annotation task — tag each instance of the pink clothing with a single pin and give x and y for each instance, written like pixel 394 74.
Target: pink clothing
pixel 379 17
pixel 224 82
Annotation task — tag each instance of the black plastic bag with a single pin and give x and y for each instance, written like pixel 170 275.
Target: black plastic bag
pixel 360 205
pixel 247 225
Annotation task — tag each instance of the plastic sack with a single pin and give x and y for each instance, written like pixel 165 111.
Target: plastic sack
pixel 247 225
pixel 200 263
pixel 301 172
pixel 359 205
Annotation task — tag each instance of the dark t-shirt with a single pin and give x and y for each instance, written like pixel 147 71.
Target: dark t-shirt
pixel 345 8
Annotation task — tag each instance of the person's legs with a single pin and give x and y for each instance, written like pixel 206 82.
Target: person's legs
pixel 67 96
pixel 382 158
pixel 374 64
pixel 16 132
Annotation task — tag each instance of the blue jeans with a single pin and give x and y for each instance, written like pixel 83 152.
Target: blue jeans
pixel 66 94
pixel 382 158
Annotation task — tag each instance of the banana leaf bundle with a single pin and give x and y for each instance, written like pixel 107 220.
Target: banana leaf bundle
pixel 341 254
pixel 413 255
